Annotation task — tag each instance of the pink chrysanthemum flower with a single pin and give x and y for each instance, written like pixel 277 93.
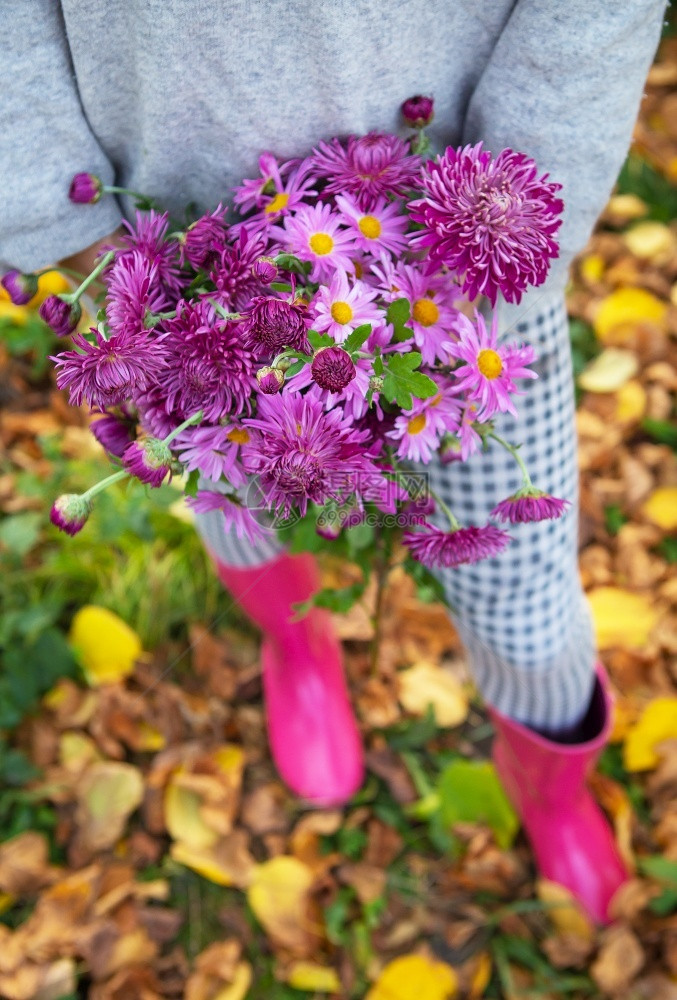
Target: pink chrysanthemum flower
pixel 530 504
pixel 109 371
pixel 489 369
pixel 204 239
pixel 114 431
pixel 380 229
pixel 133 290
pixel 149 238
pixel 314 234
pixel 149 460
pixel 340 307
pixel 69 512
pixel 272 324
pixel 214 451
pixel 368 167
pixel 209 366
pixel 303 454
pixel 491 220
pixel 281 197
pixel 436 548
pixel 236 516
pixel 431 298
pixel 233 272
pixel 420 430
pixel 252 194
pixel 461 444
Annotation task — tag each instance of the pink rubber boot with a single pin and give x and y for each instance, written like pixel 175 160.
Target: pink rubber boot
pixel 546 782
pixel 313 735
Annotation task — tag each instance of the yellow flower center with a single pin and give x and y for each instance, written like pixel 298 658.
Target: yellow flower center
pixel 321 244
pixel 370 227
pixel 416 424
pixel 426 312
pixel 278 203
pixel 239 435
pixel 341 312
pixel 359 270
pixel 489 363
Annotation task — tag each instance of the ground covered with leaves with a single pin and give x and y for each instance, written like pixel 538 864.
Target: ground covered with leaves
pixel 147 847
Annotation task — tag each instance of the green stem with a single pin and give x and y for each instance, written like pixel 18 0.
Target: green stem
pixel 194 419
pixel 103 484
pixel 104 262
pixel 107 189
pixel 455 524
pixel 223 312
pixel 513 451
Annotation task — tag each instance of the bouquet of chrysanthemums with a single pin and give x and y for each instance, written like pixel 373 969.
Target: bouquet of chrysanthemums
pixel 294 357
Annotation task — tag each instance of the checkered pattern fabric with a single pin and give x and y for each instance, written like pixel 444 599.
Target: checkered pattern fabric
pixel 522 616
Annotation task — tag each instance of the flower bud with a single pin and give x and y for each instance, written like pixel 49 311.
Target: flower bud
pixel 450 449
pixel 418 111
pixel 85 189
pixel 332 368
pixel 270 380
pixel 62 316
pixel 20 287
pixel 69 512
pixel 265 269
pixel 376 383
pixel 149 460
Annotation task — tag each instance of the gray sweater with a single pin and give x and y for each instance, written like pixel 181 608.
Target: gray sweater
pixel 177 99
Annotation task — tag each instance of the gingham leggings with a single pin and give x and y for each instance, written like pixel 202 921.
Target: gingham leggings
pixel 522 616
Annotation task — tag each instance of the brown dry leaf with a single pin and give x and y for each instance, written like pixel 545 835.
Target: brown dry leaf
pixel 58 980
pixel 219 974
pixel 202 797
pixel 368 881
pixel 620 958
pixel 136 983
pixel 265 809
pixel 651 240
pixel 279 895
pixel 72 706
pixel 414 976
pixel 107 794
pixel 425 685
pixel 563 910
pixel 567 951
pixel 614 799
pixel 22 984
pixel 77 751
pixel 621 617
pixel 24 864
pixel 227 862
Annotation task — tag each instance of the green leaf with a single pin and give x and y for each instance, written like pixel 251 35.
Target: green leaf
pixel 357 338
pixel 667 548
pixel 662 869
pixel 319 340
pixel 471 792
pixel 665 904
pixel 21 532
pixel 190 488
pixel 281 286
pixel 402 381
pixel 398 312
pixel 294 369
pixel 614 519
pixel 663 431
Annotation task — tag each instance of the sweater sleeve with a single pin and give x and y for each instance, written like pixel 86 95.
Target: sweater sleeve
pixel 563 85
pixel 44 139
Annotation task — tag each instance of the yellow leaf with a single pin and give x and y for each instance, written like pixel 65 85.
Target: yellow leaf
pixel 107 647
pixel 150 738
pixel 16 314
pixel 661 507
pixel 108 793
pixel 657 722
pixel 7 900
pixel 182 815
pixel 650 240
pixel 628 206
pixel 201 801
pixel 592 267
pixel 563 910
pixel 621 617
pixel 228 862
pixel 238 987
pixel 621 311
pixel 425 684
pixel 77 751
pixel 312 977
pixel 414 977
pixel 278 895
pixel 630 402
pixel 609 370
pixel 481 976
pixel 49 283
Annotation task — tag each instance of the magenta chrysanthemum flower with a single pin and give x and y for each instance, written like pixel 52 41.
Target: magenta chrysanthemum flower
pixel 280 196
pixel 303 454
pixel 63 317
pixel 214 451
pixel 20 287
pixel 114 431
pixel 149 238
pixel 273 324
pixel 491 220
pixel 209 366
pixel 417 111
pixel 85 189
pixel 368 167
pixel 109 371
pixel 530 504
pixel 270 380
pixel 133 290
pixel 420 430
pixel 204 239
pixel 265 269
pixel 314 234
pixel 233 272
pixel 436 548
pixel 381 228
pixel 340 307
pixel 69 512
pixel 236 517
pixel 489 369
pixel 149 460
pixel 332 368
